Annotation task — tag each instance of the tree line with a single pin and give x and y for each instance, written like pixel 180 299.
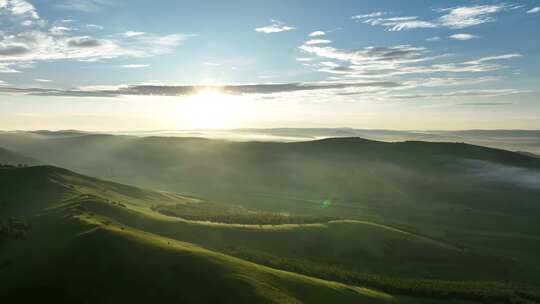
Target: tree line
pixel 483 291
pixel 230 214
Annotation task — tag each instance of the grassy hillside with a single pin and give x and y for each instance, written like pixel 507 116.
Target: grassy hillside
pixel 441 189
pixel 484 199
pixel 8 157
pixel 106 264
pixel 86 256
pixel 106 242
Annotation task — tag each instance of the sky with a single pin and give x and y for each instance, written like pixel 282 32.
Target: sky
pixel 113 65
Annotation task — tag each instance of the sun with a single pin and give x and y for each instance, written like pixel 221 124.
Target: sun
pixel 211 109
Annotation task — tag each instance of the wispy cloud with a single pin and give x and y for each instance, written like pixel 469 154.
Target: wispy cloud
pixel 493 58
pixel 463 36
pixel 59 30
pixel 466 16
pixel 133 34
pixel 209 63
pixel 370 15
pixel 317 41
pixel 135 66
pixel 394 23
pixel 22 44
pixel 434 38
pixel 8 67
pixel 94 26
pixel 276 26
pixel 183 90
pixel 470 93
pixel 454 18
pixel 534 10
pixel 42 80
pixel 317 34
pixel 397 61
pixel 447 81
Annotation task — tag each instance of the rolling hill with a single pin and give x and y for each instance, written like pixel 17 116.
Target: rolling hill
pixel 11 158
pixel 88 255
pixel 70 237
pixel 427 187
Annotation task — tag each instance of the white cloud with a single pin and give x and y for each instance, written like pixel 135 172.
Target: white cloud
pixel 492 58
pixel 463 36
pixel 59 30
pixel 95 26
pixel 275 27
pixel 468 93
pixel 317 41
pixel 370 15
pixel 317 34
pixel 330 64
pixel 8 67
pixel 454 18
pixel 534 10
pixel 21 46
pixel 448 81
pixel 135 66
pixel 466 16
pixel 42 80
pixel 133 34
pixel 410 24
pixel 21 7
pixel 396 23
pixel 185 90
pixel 396 61
pixel 434 38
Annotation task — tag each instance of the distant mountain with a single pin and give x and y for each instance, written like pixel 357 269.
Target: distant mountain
pixel 514 140
pixel 60 133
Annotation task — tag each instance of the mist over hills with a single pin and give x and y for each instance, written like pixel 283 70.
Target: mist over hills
pixel 427 220
pixel 523 140
pixel 99 240
pixel 513 140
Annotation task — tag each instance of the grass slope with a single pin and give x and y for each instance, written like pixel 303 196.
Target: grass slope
pixel 106 264
pixel 103 242
pixel 75 256
pixel 484 199
pixel 8 157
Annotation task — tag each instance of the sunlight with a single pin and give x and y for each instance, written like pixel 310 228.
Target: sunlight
pixel 211 109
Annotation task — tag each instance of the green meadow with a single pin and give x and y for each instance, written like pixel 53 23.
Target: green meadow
pixel 70 236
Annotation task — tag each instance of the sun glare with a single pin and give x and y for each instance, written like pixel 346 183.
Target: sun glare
pixel 211 109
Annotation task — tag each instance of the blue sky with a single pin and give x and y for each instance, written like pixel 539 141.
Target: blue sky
pixel 125 65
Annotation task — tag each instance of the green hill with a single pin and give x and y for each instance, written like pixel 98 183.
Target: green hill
pixel 445 190
pixel 74 253
pixel 11 158
pixel 74 238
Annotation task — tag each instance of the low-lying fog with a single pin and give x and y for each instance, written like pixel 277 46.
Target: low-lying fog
pixel 522 177
pixel 514 140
